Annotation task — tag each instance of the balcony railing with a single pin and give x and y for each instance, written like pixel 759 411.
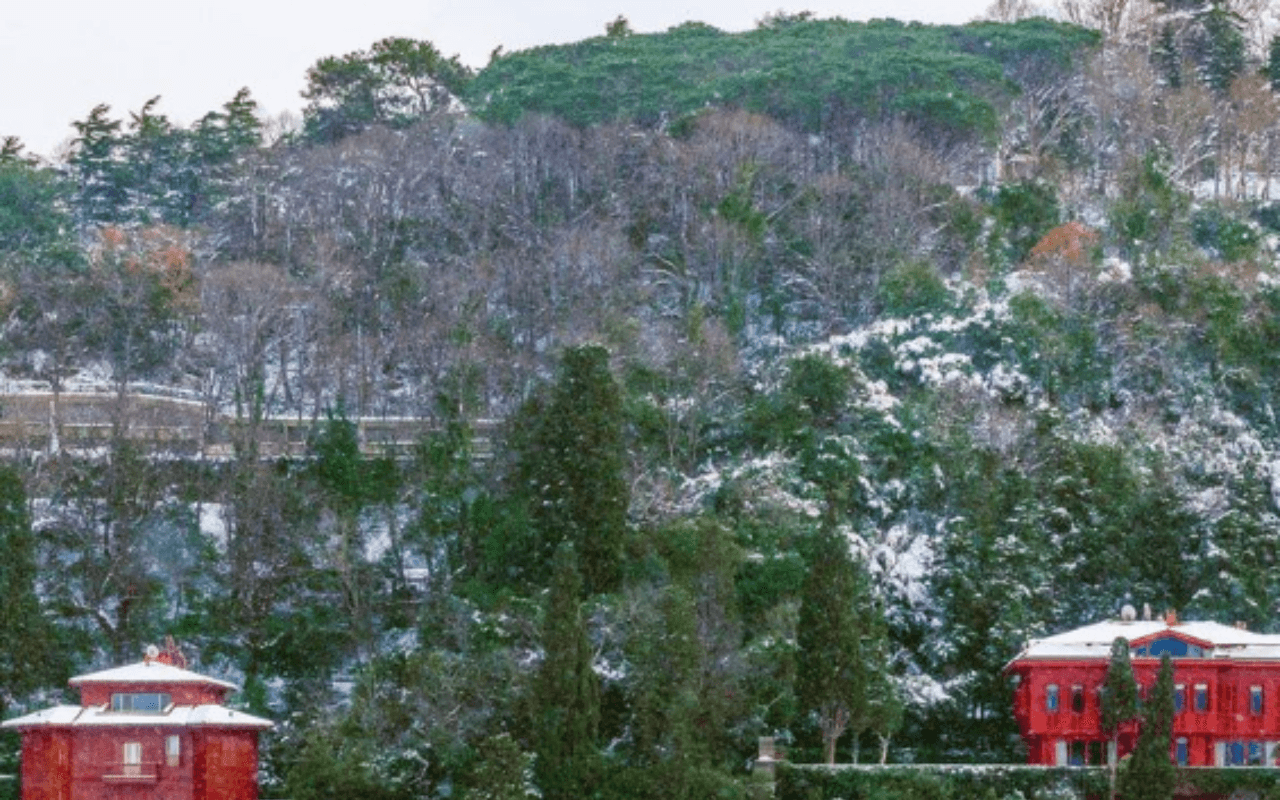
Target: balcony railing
pixel 133 773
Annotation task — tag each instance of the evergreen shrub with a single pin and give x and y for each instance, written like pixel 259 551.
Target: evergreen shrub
pixel 945 782
pixel 1213 228
pixel 938 782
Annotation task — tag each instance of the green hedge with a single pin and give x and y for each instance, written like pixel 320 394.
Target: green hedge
pixel 938 782
pixel 998 781
pixel 1262 781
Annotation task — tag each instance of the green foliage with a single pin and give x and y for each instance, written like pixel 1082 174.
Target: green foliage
pixel 1147 219
pixel 1167 58
pixel 1228 237
pixel 840 636
pixel 913 287
pixel 395 82
pixel 503 771
pixel 566 698
pixel 1217 45
pixel 815 74
pixel 940 782
pixel 1024 212
pixel 97 169
pixel 1272 69
pixel 1064 353
pixel 1149 773
pixel 332 765
pixel 33 221
pixel 818 388
pixel 1119 695
pixel 27 640
pixel 572 464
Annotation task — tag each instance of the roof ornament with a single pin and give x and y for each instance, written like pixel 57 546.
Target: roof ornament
pixel 152 654
pixel 1128 613
pixel 1171 617
pixel 1146 611
pixel 172 654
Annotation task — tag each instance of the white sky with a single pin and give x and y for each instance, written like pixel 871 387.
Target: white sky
pixel 60 58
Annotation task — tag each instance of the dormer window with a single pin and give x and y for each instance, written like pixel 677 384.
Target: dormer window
pixel 1175 647
pixel 140 702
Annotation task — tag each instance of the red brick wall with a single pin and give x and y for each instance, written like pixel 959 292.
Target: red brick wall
pixel 46 765
pixel 182 694
pixel 226 765
pixel 97 765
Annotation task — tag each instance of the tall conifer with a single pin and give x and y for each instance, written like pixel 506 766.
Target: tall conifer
pixel 572 468
pixel 1151 774
pixel 24 636
pixel 1119 699
pixel 567 697
pixel 837 638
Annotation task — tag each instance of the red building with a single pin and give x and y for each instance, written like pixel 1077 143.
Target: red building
pixel 151 729
pixel 1227 691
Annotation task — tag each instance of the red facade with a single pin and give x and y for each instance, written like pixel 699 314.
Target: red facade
pixel 1227 683
pixel 148 730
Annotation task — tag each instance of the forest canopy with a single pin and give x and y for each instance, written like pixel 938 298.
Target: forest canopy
pixel 507 432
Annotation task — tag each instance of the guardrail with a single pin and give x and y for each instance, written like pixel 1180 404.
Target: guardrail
pixel 84 421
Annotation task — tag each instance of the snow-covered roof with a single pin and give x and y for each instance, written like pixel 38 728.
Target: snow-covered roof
pixel 1094 641
pixel 175 716
pixel 149 672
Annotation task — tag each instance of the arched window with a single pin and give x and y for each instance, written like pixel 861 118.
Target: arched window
pixel 1202 698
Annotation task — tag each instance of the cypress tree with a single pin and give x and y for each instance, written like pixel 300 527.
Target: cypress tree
pixel 1151 774
pixel 25 643
pixel 1119 698
pixel 1273 63
pixel 567 697
pixel 836 615
pixel 1168 57
pixel 572 467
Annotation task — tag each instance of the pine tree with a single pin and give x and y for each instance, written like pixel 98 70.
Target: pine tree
pixel 566 691
pixel 1218 46
pixel 1151 774
pixel 1167 57
pixel 97 169
pixel 1119 698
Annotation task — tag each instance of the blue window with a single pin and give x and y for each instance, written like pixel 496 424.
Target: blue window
pixel 1078 754
pixel 1255 701
pixel 1176 648
pixel 1202 698
pixel 1235 754
pixel 1179 698
pixel 1255 754
pixel 1182 751
pixel 140 702
pixel 1051 698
